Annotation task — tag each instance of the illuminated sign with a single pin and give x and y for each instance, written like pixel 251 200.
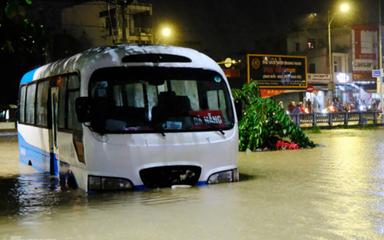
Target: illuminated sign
pixel 277 71
pixel 364 51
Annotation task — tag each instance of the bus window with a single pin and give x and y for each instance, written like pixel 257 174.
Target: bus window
pixel 42 104
pixel 118 96
pixel 30 104
pixel 69 91
pixel 72 119
pixel 149 99
pixel 187 88
pixel 62 107
pixel 73 92
pixel 22 104
pixel 135 95
pixel 73 82
pixel 152 99
pixel 130 95
pixel 100 90
pixel 216 100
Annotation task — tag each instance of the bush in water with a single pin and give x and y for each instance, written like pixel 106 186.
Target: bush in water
pixel 264 122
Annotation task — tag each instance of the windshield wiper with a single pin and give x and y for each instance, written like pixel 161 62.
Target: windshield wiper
pixel 159 129
pixel 211 127
pixel 221 131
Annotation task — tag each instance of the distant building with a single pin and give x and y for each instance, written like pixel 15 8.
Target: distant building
pixel 354 53
pixel 104 23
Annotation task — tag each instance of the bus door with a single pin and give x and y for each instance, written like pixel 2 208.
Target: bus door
pixel 54 154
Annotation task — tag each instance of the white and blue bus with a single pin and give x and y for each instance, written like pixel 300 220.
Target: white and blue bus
pixel 129 117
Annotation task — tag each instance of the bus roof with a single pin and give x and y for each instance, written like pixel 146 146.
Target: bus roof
pixel 110 56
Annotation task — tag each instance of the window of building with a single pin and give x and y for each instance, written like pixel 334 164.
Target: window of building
pixel 110 24
pixel 312 68
pixel 110 20
pixel 336 66
pixel 42 104
pixel 297 47
pixel 321 43
pixel 30 104
pixel 22 104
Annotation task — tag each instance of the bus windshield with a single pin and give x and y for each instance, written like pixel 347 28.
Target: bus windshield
pixel 153 99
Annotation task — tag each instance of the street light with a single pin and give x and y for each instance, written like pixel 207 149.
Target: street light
pixel 165 34
pixel 343 8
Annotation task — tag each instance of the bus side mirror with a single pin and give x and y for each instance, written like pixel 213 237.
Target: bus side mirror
pixel 83 107
pixel 239 109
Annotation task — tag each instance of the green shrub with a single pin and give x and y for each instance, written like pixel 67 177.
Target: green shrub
pixel 264 122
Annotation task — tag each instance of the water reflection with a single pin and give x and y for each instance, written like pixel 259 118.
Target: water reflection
pixel 335 191
pixel 31 194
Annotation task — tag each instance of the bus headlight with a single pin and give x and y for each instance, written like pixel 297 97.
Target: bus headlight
pixel 225 176
pixel 99 183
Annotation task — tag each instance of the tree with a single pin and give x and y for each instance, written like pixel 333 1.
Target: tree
pixel 264 122
pixel 22 45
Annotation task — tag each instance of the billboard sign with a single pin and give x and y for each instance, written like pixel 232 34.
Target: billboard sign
pixel 277 71
pixel 364 51
pixel 321 78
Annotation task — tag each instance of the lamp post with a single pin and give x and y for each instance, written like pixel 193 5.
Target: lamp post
pixel 343 8
pixel 330 60
pixel 380 79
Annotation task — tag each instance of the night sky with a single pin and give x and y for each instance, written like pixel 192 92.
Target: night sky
pixel 220 28
pixel 227 27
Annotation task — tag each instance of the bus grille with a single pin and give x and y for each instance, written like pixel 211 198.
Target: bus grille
pixel 167 176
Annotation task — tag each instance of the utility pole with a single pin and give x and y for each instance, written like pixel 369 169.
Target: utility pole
pixel 331 84
pixel 123 4
pixel 124 18
pixel 380 82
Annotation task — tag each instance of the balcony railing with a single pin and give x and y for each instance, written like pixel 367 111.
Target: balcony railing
pixel 337 119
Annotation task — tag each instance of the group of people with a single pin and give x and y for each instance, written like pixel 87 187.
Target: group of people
pixel 334 105
pixel 356 105
pixel 296 108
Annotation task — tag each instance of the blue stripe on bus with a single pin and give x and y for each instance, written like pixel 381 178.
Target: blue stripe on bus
pixel 28 77
pixel 39 158
pixel 55 166
pixel 202 183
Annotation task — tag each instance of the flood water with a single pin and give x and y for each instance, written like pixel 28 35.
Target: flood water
pixel 334 191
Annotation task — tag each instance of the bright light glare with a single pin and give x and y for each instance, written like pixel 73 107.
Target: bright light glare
pixel 345 7
pixel 166 32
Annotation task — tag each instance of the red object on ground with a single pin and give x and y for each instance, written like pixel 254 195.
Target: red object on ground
pixel 286 145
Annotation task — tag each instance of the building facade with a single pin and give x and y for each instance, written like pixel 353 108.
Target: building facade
pixel 346 80
pixel 104 23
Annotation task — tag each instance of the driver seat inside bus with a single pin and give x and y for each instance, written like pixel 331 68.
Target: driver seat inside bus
pixel 171 107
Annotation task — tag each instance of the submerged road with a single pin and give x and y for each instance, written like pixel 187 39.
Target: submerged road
pixel 334 191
